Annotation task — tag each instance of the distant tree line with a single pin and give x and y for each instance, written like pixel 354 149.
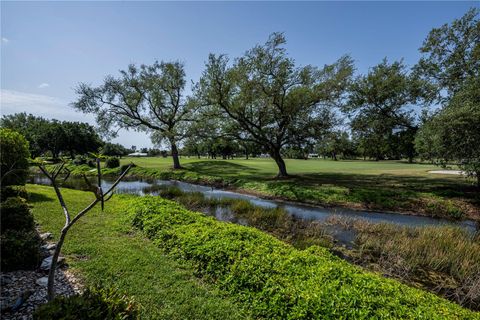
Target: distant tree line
pixel 52 136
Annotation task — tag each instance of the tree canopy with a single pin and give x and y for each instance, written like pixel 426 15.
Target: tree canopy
pixel 14 158
pixel 265 98
pixel 53 136
pixel 451 53
pixel 148 98
pixel 380 106
pixel 453 134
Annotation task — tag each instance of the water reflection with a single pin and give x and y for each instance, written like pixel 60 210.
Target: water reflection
pixel 152 186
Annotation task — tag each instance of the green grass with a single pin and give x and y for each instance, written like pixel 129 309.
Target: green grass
pixel 102 248
pixel 384 185
pixel 236 268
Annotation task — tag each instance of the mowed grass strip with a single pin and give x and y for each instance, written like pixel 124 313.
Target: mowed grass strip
pixel 102 249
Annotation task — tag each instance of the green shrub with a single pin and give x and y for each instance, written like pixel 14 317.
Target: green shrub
pixel 91 163
pixel 16 215
pixel 112 162
pixel 276 280
pixel 125 166
pixel 14 156
pixel 13 191
pixel 79 160
pixel 20 250
pixel 93 304
pixel 20 241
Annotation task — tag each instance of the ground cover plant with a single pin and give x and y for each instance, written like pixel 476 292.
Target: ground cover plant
pixel 104 250
pixel 275 279
pixel 93 304
pixel 441 259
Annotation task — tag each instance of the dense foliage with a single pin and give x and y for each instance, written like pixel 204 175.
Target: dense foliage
pixel 380 105
pixel 53 136
pixel 276 280
pixel 112 162
pixel 14 157
pixel 20 242
pixel 452 60
pixel 92 304
pixel 114 149
pixel 266 98
pixel 451 54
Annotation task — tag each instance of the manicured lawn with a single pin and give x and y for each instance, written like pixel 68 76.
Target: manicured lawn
pixel 102 248
pixel 383 185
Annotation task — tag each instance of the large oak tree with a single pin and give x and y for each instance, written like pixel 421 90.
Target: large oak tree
pixel 381 107
pixel 148 98
pixel 266 99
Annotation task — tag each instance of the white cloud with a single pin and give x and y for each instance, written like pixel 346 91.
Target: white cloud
pixel 5 40
pixel 43 85
pixel 12 101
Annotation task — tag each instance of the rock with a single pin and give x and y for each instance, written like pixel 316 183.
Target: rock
pixel 45 236
pixel 48 261
pixel 43 281
pixel 49 246
pixel 5 280
pixel 21 299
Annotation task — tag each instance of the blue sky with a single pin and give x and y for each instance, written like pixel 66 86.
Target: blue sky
pixel 49 47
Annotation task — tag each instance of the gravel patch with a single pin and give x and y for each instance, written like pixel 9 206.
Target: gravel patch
pixel 30 287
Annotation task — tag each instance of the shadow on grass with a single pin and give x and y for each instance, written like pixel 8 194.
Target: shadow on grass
pixel 220 168
pixel 433 196
pixel 34 197
pixel 392 183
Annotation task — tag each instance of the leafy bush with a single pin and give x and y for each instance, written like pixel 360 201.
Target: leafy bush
pixel 79 160
pixel 13 191
pixel 91 163
pixel 20 241
pixel 16 215
pixel 276 280
pixel 112 162
pixel 93 304
pixel 14 157
pixel 20 250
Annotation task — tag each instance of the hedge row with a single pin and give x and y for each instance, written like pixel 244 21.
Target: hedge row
pixel 20 243
pixel 276 280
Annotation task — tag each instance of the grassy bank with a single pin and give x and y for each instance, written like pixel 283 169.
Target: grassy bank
pixel 441 259
pixel 103 248
pixel 385 185
pixel 237 268
pixel 276 280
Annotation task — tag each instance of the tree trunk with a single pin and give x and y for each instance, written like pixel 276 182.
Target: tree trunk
pixel 282 169
pixel 53 265
pixel 176 161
